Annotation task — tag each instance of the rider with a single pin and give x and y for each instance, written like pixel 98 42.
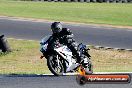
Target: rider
pixel 63 36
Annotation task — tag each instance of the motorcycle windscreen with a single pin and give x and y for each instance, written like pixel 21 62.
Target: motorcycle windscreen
pixel 45 39
pixel 44 43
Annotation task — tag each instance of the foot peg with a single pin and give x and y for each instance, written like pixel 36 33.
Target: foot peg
pixel 41 57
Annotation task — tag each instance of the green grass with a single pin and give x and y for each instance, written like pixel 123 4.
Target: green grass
pixel 111 60
pixel 24 59
pixel 97 13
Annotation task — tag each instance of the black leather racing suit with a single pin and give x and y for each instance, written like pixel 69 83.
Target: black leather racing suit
pixel 64 37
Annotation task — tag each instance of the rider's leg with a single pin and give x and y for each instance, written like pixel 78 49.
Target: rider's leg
pixel 73 48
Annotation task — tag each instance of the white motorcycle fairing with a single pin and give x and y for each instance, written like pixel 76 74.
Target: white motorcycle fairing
pixel 66 53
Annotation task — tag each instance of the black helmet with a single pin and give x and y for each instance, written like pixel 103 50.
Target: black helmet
pixel 56 27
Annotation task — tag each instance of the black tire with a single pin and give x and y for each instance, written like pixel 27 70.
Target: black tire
pixel 89 68
pixel 51 67
pixel 100 1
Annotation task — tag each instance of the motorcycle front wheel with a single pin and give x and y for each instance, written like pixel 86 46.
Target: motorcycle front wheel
pixel 55 65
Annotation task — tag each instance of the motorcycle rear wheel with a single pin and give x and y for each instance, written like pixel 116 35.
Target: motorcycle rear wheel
pixel 89 68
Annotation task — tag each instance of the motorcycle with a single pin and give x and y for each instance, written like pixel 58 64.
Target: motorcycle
pixel 60 60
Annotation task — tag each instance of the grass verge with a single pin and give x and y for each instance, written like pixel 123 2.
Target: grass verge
pixel 98 13
pixel 25 59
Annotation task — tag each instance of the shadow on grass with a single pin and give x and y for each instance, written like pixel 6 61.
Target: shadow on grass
pixel 3 53
pixel 6 53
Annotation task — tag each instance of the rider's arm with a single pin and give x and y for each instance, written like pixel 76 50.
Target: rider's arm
pixel 52 42
pixel 66 36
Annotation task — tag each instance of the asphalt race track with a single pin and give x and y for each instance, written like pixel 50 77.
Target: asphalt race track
pixel 51 82
pixel 92 35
